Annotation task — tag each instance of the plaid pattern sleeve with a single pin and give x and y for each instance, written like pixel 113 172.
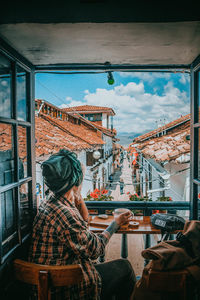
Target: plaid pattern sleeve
pixel 61 237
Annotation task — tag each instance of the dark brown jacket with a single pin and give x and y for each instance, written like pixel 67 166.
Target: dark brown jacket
pixel 171 261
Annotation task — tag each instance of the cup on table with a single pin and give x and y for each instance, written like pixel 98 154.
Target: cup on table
pixel 119 211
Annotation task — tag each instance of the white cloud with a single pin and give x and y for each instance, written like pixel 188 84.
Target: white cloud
pixel 136 110
pixel 69 99
pixel 146 76
pixel 185 78
pixel 4 82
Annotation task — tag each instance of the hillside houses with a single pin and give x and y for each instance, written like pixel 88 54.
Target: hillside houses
pixel 163 163
pixel 56 128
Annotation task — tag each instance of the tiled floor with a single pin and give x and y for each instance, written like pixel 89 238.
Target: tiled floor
pixel 135 246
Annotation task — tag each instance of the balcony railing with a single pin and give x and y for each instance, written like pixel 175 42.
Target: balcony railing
pixel 102 207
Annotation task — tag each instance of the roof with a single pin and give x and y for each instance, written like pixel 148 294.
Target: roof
pixel 168 148
pixel 84 133
pixel 93 126
pixel 166 127
pixel 51 135
pixel 107 131
pixel 89 109
pixel 51 138
pixel 172 144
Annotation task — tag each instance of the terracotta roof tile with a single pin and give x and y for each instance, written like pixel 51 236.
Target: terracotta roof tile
pixel 88 135
pixel 50 138
pixel 89 109
pixel 167 147
pixel 154 132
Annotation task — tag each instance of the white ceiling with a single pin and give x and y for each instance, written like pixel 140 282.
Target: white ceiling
pixel 118 43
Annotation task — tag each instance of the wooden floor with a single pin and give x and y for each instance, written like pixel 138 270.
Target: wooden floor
pixel 135 246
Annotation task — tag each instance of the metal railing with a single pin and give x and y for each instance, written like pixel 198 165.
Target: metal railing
pixel 102 207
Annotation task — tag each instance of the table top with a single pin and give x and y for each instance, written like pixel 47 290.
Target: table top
pixel 97 224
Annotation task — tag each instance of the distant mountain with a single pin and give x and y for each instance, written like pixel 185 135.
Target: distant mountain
pixel 126 138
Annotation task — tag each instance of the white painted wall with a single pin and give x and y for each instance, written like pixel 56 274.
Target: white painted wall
pixel 179 181
pixel 105 121
pixel 108 143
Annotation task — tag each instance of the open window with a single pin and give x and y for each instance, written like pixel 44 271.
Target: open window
pixel 17 183
pixel 195 131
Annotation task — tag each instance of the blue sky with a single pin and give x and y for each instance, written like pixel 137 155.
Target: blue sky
pixel 142 101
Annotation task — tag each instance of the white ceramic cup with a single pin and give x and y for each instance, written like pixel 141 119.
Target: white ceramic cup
pixel 119 211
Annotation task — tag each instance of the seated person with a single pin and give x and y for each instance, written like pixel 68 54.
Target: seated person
pixel 61 235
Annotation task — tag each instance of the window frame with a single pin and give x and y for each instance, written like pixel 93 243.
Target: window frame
pixel 16 61
pixel 194 138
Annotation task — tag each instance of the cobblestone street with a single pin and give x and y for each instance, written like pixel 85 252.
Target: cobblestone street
pixel 135 242
pixel 126 174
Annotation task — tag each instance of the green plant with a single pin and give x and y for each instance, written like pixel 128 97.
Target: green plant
pixel 136 197
pixel 163 198
pixel 98 195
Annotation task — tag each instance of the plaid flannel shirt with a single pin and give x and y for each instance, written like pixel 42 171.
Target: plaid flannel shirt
pixel 61 237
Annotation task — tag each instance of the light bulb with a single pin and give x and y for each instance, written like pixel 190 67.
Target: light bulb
pixel 110 78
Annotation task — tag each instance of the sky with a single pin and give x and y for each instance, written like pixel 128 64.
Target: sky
pixel 142 101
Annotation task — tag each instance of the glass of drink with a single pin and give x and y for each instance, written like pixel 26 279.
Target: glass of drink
pixel 119 211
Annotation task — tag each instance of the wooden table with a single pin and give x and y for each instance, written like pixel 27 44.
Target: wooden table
pixel 145 227
pixel 98 225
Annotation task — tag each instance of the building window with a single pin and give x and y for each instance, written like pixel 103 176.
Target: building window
pixel 89 159
pixel 93 117
pixel 5 87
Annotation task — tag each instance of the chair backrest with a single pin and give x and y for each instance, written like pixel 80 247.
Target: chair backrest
pixel 45 276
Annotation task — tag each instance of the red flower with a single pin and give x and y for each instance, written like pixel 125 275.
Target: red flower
pixel 94 195
pixel 127 193
pixel 97 191
pixel 103 192
pixel 198 195
pixel 136 195
pixel 170 198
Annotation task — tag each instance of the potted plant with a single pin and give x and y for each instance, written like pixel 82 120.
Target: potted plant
pixel 136 197
pixel 162 198
pixel 99 195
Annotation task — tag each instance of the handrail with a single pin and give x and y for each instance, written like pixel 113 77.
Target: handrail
pixel 147 206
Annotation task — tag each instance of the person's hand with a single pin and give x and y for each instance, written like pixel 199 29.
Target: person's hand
pixel 123 218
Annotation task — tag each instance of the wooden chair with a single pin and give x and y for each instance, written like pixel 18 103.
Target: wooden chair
pixel 45 277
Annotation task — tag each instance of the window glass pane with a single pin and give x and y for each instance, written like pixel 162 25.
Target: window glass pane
pixel 6 155
pixel 22 144
pixel 5 87
pixel 21 94
pixel 24 207
pixel 8 221
pixel 198 94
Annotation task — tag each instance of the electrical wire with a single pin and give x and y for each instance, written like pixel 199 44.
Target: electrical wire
pixel 73 110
